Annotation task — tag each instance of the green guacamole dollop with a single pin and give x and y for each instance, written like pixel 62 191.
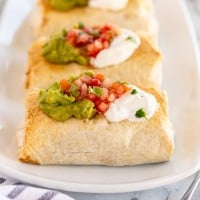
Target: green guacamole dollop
pixel 64 5
pixel 83 109
pixel 58 51
pixel 59 106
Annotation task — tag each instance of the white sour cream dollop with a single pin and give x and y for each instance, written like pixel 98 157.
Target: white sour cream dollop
pixel 108 4
pixel 121 48
pixel 128 104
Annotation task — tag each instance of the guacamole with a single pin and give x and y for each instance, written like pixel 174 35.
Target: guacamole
pixel 83 109
pixel 59 106
pixel 58 51
pixel 64 5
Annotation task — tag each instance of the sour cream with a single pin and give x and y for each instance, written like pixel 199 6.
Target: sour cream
pixel 108 4
pixel 128 104
pixel 121 48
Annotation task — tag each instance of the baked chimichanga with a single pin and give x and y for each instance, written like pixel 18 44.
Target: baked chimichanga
pixel 117 52
pixel 136 15
pixel 89 120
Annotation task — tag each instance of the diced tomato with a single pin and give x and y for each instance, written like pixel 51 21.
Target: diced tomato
pixel 125 88
pixel 78 82
pixel 105 94
pixel 91 40
pixel 97 101
pixel 93 53
pixel 105 37
pixel 92 50
pixel 98 44
pixel 106 28
pixel 65 85
pixel 95 82
pixel 72 36
pixel 90 47
pixel 86 79
pixel 105 44
pixel 92 97
pixel 111 97
pixel 103 107
pixel 115 86
pixel 99 77
pixel 110 91
pixel 120 90
pixel 83 39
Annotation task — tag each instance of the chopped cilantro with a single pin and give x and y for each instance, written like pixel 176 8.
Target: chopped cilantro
pixel 131 39
pixel 96 90
pixel 140 113
pixel 81 25
pixel 134 91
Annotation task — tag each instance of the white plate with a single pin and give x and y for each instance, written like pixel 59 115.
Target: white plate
pixel 181 79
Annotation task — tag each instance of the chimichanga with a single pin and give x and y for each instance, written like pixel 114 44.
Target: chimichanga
pixel 141 66
pixel 104 139
pixel 138 16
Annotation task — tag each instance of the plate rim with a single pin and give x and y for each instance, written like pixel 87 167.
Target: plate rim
pixel 94 188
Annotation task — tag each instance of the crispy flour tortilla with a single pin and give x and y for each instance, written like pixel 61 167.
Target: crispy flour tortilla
pixel 96 141
pixel 143 68
pixel 137 16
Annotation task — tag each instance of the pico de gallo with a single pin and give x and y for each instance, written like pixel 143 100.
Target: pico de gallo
pixel 82 96
pixel 79 44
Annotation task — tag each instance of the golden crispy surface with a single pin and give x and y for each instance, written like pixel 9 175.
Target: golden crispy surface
pixel 137 16
pixel 96 141
pixel 143 68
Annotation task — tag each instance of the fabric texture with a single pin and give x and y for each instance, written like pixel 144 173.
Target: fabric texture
pixel 11 189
